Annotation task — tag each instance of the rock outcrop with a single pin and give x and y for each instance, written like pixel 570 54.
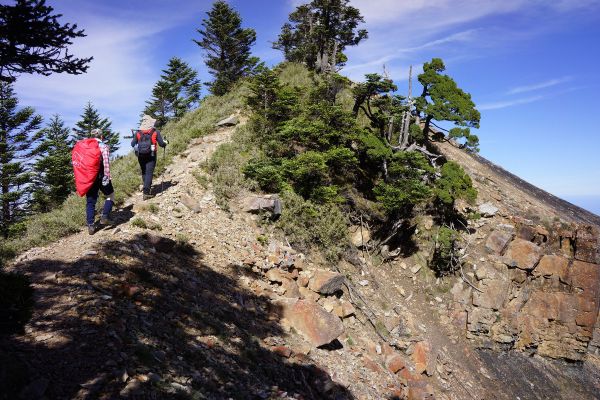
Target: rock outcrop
pixel 537 292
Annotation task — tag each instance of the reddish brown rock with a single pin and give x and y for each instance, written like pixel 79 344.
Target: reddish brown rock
pixel 420 389
pixel 394 363
pixel 308 294
pixel 421 356
pixel 587 245
pixel 344 309
pixel 585 276
pixel 553 266
pixel 277 275
pixel 497 241
pixel 302 281
pixel 291 289
pixel 372 365
pixel 326 282
pixel 525 254
pixel 310 319
pixel 282 351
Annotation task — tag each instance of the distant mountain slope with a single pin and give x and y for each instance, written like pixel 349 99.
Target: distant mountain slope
pixel 535 200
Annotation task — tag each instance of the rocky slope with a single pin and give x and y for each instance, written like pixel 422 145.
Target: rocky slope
pixel 183 299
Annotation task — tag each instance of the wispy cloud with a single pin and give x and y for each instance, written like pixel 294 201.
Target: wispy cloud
pixel 539 86
pixel 508 103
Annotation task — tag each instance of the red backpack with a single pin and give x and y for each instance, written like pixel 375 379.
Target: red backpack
pixel 86 164
pixel 146 138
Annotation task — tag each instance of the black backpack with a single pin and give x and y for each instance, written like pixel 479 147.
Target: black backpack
pixel 145 140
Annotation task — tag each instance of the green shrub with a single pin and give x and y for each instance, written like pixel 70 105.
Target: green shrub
pixel 306 224
pixel 139 223
pixel 444 259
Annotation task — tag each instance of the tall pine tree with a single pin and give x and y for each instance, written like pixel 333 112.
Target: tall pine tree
pixel 227 46
pixel 16 143
pixel 90 119
pixel 318 33
pixel 32 40
pixel 176 93
pixel 53 178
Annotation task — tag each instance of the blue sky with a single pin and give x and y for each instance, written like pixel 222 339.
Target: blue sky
pixel 530 65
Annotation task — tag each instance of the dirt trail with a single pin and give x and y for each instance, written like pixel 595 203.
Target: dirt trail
pixel 161 311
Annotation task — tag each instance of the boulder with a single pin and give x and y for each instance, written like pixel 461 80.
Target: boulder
pixel 421 356
pixel 256 204
pixel 524 254
pixel 551 266
pixel 497 241
pixel 359 237
pixel 314 323
pixel 326 282
pixel 232 120
pixel 487 210
pixel 394 363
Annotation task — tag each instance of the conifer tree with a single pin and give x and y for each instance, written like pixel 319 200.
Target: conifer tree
pixel 16 143
pixel 53 178
pixel 227 46
pixel 90 119
pixel 32 40
pixel 319 32
pixel 443 100
pixel 176 93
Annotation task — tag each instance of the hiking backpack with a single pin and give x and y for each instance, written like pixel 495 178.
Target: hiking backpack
pixel 86 159
pixel 146 138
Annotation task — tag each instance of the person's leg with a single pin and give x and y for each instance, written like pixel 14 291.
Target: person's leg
pixel 109 192
pixel 91 199
pixel 142 160
pixel 150 164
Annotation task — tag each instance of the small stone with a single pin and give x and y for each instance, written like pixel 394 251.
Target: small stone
pixel 487 210
pixel 282 351
pixel 364 282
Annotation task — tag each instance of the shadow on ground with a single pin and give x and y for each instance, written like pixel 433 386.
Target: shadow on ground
pixel 132 322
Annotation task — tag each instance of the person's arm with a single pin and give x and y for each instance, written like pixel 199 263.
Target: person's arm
pixel 134 140
pixel 106 162
pixel 159 139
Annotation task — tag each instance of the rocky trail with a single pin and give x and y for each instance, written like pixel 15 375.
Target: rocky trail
pixel 182 299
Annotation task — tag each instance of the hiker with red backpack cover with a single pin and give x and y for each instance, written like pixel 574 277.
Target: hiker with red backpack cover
pixel 145 141
pixel 91 166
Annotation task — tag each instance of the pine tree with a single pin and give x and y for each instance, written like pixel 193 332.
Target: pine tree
pixel 227 47
pixel 176 93
pixel 16 143
pixel 53 178
pixel 90 119
pixel 319 32
pixel 33 41
pixel 160 105
pixel 443 100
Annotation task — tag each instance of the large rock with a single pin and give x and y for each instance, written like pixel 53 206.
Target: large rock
pixel 552 266
pixel 359 236
pixel 232 120
pixel 423 358
pixel 310 319
pixel 587 245
pixel 487 210
pixel 326 282
pixel 256 204
pixel 190 203
pixel 497 241
pixel 525 254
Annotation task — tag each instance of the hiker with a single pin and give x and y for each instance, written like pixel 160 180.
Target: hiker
pixel 145 141
pixel 91 165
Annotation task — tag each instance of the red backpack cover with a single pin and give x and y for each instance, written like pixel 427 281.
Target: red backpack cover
pixel 86 164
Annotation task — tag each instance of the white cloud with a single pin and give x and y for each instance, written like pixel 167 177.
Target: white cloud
pixel 539 86
pixel 508 103
pixel 120 77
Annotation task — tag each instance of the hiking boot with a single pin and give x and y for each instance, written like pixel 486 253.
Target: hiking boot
pixel 91 229
pixel 106 221
pixel 147 196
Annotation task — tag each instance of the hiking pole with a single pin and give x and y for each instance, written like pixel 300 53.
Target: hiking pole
pixel 162 176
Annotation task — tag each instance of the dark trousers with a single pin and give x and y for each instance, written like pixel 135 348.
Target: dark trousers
pixel 147 164
pixel 92 199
